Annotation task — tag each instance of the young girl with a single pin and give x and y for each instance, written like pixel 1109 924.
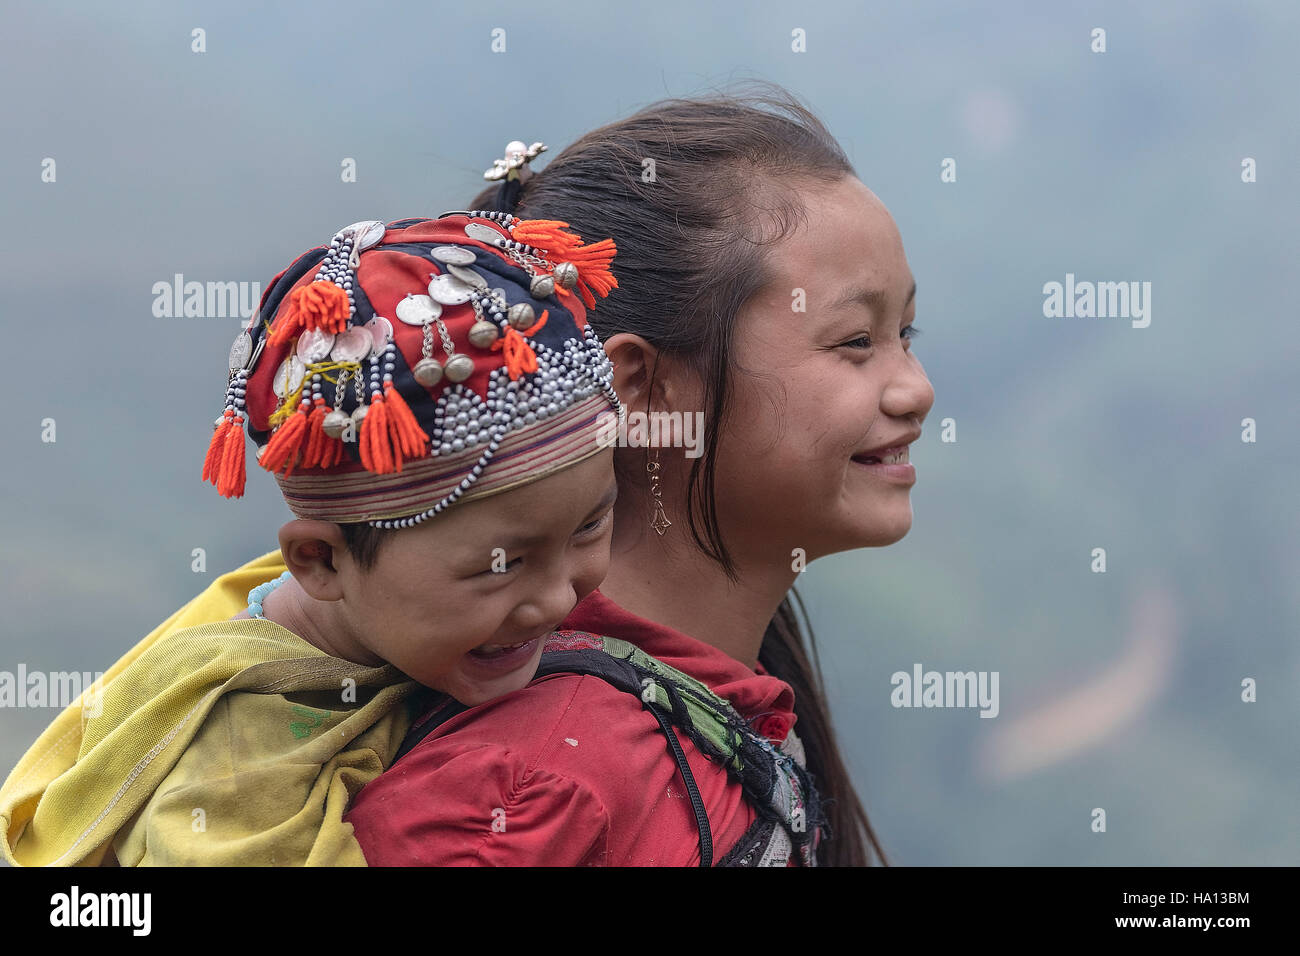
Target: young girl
pixel 438 380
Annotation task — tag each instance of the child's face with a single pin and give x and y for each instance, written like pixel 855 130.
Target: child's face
pixel 442 602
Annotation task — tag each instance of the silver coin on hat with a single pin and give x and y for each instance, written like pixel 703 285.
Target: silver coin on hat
pixel 241 351
pixel 314 345
pixel 469 277
pixel 417 310
pixel 288 377
pixel 366 233
pixel 352 345
pixel 453 255
pixel 483 233
pixel 449 290
pixel 381 333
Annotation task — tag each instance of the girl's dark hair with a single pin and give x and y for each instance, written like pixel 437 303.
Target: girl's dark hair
pixel 693 191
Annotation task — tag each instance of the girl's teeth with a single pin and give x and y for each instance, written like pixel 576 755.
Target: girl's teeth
pixel 898 459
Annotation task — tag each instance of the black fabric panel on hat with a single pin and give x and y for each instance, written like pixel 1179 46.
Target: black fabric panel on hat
pixel 403 223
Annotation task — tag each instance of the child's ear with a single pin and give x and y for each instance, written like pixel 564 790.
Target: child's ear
pixel 309 549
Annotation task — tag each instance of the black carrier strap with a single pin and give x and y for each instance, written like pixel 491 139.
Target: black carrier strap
pixel 422 728
pixel 614 671
pixel 692 790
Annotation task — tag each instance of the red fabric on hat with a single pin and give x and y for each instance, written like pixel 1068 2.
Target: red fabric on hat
pixel 572 771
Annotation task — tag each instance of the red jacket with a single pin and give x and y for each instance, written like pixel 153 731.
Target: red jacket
pixel 568 771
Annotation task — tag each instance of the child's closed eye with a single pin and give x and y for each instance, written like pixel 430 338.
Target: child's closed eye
pixel 499 568
pixel 595 525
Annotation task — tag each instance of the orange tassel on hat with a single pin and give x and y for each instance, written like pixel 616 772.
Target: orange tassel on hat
pixel 404 432
pixel 331 452
pixel 376 455
pixel 391 436
pixel 314 452
pixel 319 305
pixel 519 355
pixel 285 446
pixel 592 261
pixel 224 463
pixel 230 480
pixel 216 447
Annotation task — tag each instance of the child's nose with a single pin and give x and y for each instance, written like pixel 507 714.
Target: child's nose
pixel 547 607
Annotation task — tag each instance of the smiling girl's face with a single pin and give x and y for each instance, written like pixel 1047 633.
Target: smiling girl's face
pixel 821 392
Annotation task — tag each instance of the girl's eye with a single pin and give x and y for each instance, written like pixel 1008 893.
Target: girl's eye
pixel 864 341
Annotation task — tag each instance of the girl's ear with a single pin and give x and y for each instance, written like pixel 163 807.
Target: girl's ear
pixel 633 358
pixel 309 549
pixel 638 365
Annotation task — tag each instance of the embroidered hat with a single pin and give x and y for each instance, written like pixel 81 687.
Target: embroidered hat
pixel 406 366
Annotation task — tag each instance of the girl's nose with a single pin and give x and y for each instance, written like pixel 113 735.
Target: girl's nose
pixel 909 392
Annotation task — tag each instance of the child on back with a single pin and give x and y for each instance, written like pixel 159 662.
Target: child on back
pixel 429 397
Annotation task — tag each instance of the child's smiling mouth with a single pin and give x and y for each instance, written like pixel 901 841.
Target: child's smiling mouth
pixel 494 661
pixel 490 651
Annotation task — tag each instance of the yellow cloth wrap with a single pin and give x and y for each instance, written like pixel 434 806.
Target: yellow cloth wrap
pixel 220 742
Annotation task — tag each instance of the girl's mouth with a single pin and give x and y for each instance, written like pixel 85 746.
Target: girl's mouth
pixel 890 464
pixel 888 456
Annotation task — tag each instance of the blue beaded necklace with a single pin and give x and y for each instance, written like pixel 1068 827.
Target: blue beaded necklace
pixel 259 594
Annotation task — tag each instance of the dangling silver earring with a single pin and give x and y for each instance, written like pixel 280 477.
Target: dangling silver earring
pixel 658 519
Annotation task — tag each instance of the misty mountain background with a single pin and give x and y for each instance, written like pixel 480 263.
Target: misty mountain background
pixel 1119 690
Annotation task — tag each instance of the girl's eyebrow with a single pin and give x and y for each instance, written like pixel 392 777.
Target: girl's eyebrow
pixel 875 299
